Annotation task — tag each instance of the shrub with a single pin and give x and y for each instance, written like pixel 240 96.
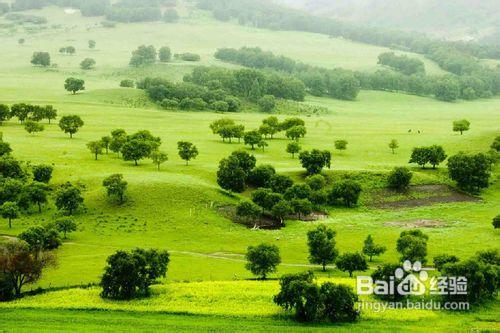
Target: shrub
pixel 346 191
pixel 399 178
pixel 127 83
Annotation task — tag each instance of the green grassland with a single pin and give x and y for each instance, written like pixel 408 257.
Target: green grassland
pixel 178 208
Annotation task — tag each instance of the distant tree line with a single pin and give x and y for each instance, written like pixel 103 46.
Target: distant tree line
pixel 345 84
pixel 336 83
pixel 403 63
pixel 249 83
pixel 263 14
pixel 121 11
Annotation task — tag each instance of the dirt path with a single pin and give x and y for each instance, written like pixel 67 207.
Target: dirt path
pixel 234 257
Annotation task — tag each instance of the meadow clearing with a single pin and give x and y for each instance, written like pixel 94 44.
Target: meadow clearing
pixel 178 207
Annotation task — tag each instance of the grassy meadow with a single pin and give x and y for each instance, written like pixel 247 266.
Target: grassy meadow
pixel 178 208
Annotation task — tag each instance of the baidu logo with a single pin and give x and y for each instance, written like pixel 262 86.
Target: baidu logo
pixel 411 279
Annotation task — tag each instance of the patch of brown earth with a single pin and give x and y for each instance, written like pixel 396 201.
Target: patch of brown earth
pixel 437 194
pixel 415 224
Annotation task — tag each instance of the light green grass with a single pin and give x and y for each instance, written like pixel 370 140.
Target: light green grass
pixel 176 209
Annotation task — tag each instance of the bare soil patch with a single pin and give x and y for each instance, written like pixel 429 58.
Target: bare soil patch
pixel 421 223
pixel 417 196
pixel 265 221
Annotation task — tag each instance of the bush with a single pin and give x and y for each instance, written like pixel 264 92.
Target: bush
pixel 482 280
pixel 309 302
pixel 471 172
pixel 347 191
pixel 127 83
pixel 129 274
pixel 399 178
pixel 443 259
pixel 188 56
pixel 496 222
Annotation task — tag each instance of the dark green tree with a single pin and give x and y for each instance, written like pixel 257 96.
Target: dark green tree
pixel 74 85
pixel 263 259
pixel 351 262
pixel 187 151
pixel 371 249
pixel 321 243
pixel 115 186
pixel 71 124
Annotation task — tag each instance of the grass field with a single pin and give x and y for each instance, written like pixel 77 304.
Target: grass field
pixel 176 208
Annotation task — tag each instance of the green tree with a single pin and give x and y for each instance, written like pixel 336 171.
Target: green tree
pixel 74 85
pixel 5 148
pixel 71 124
pixel 443 259
pixel 293 148
pixel 280 183
pixel 115 186
pixel 9 211
pixel 261 175
pixel 341 145
pixel 399 178
pixel 33 127
pixel 351 262
pixel 95 148
pixel 447 90
pixel 50 113
pixel 144 55
pixel 315 160
pixel 87 64
pixel 299 293
pixel 482 280
pixel 371 249
pixel 36 193
pixel 187 151
pixel 461 126
pixel 158 158
pixel 136 150
pixel 170 16
pixel 393 145
pixel 4 113
pixel 248 212
pixel 105 142
pixel 41 59
pixel 496 222
pixel 130 274
pixel 42 173
pixel 412 245
pixel 232 174
pixel 470 172
pixel 21 266
pixel 262 259
pixel 92 44
pixel 296 132
pixel 252 138
pixel 267 103
pixel 347 191
pixel 262 144
pixel 65 226
pixel 321 243
pixel 68 198
pixel 165 54
pixel 281 210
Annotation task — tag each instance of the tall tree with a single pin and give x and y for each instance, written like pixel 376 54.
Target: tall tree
pixel 321 243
